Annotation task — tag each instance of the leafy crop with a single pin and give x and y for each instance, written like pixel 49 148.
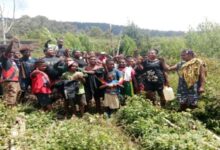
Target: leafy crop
pixel 41 131
pixel 156 128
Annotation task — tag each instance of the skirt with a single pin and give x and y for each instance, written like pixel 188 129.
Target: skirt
pixel 111 101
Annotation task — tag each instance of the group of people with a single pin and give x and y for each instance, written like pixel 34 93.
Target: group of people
pixel 80 78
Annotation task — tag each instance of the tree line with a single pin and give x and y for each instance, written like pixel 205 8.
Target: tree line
pixel 204 39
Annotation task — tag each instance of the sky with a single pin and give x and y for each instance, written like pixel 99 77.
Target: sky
pixel 176 15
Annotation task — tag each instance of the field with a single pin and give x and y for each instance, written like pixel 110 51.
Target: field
pixel 139 124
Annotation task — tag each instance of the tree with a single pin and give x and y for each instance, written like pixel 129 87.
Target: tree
pixel 133 32
pixel 86 45
pixel 205 39
pixel 95 32
pixel 127 46
pixel 5 25
pixel 72 41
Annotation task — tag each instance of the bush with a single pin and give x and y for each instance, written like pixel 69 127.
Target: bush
pixel 156 128
pixel 41 131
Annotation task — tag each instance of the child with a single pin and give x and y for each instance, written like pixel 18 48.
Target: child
pixel 111 100
pixel 73 75
pixel 41 85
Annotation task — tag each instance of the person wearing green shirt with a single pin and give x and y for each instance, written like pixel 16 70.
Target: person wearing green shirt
pixel 73 74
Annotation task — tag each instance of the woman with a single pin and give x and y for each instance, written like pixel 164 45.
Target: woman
pixel 93 82
pixel 191 72
pixel 138 70
pixel 154 76
pixel 129 81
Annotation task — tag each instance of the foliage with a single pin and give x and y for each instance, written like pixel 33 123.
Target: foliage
pixel 127 45
pixel 160 129
pixel 209 105
pixel 205 39
pixel 27 24
pixel 72 41
pixel 43 131
pixel 169 48
pixel 86 44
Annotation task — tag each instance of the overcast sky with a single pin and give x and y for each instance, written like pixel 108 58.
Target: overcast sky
pixel 150 14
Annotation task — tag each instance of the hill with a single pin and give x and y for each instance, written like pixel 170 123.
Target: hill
pixel 26 23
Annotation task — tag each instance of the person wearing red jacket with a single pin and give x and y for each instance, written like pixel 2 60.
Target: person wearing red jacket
pixel 41 85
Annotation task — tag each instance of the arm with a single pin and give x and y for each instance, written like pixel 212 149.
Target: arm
pixel 166 67
pixel 9 48
pixel 202 79
pixel 134 80
pixel 88 70
pixel 166 79
pixel 103 86
pixel 82 79
pixel 173 68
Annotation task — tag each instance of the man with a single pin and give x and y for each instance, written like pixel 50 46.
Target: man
pixel 77 57
pixel 26 66
pixel 51 61
pixel 50 54
pixel 2 50
pixel 61 50
pixel 10 76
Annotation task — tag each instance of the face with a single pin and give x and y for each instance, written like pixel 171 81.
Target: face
pixel 10 55
pixel 92 60
pixel 42 67
pixel 50 52
pixel 131 62
pixel 17 55
pixel 152 55
pixel 73 67
pixel 110 65
pixel 185 56
pixel 77 54
pixel 67 60
pixel 84 53
pixel 122 63
pixel 26 53
pixel 145 57
pixel 110 77
pixel 139 60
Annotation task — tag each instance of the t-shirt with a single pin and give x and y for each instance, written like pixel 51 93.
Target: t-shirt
pixel 73 76
pixel 117 75
pixel 112 90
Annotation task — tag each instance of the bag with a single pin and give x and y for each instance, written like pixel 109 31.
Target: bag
pixel 168 93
